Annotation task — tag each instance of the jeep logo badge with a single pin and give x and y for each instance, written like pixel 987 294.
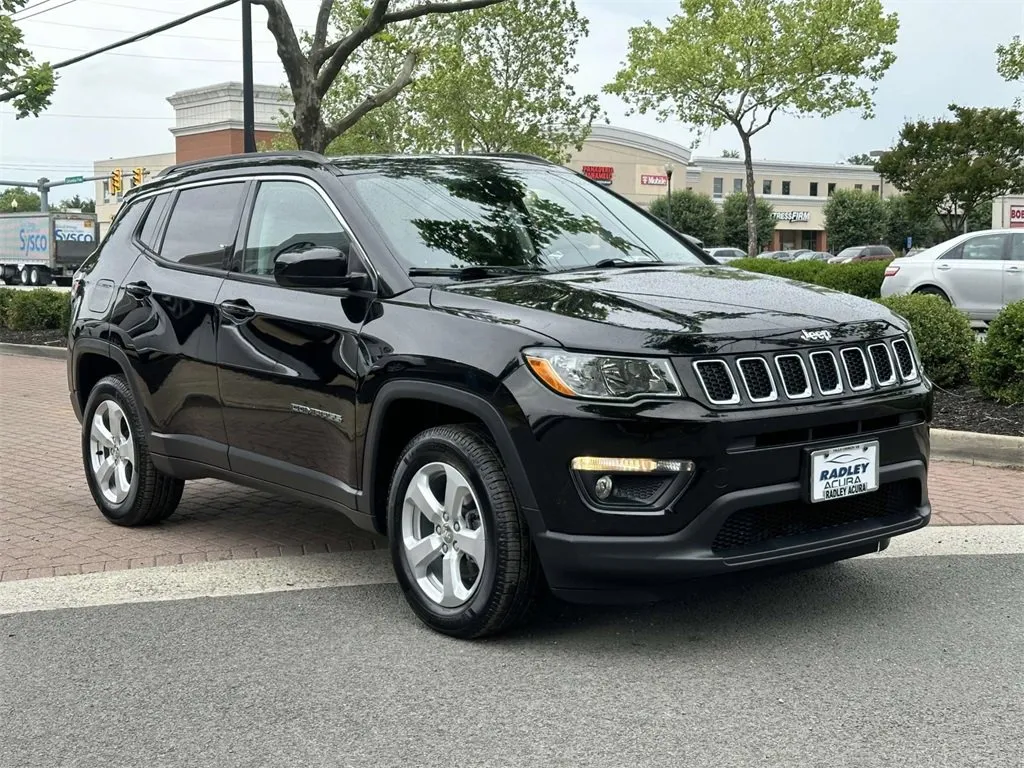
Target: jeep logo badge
pixel 816 336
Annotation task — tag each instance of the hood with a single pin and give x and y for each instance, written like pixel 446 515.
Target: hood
pixel 668 309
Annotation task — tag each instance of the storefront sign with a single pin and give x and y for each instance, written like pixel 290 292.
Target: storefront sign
pixel 653 180
pixel 601 173
pixel 792 215
pixel 1017 216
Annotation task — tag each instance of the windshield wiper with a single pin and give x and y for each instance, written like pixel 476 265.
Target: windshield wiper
pixel 475 272
pixel 615 264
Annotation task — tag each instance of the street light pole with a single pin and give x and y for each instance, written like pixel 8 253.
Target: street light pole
pixel 248 107
pixel 668 208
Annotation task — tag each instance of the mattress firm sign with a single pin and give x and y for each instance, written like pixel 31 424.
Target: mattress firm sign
pixel 793 216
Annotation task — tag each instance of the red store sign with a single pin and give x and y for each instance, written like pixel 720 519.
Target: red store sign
pixel 1017 216
pixel 602 173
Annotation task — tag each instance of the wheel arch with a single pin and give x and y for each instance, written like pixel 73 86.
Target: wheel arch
pixel 93 360
pixel 402 409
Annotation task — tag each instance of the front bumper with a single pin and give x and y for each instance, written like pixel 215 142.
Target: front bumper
pixel 641 567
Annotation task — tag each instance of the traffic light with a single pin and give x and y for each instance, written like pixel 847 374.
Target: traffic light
pixel 137 174
pixel 116 182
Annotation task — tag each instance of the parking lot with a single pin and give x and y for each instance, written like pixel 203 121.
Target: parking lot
pixel 49 525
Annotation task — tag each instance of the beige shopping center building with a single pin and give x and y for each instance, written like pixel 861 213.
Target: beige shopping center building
pixel 637 166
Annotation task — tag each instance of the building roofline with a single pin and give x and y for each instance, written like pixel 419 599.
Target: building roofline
pixel 627 137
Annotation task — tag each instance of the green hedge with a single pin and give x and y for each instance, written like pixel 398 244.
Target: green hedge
pixel 863 279
pixel 943 333
pixel 999 362
pixel 36 310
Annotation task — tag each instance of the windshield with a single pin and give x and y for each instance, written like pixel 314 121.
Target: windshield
pixel 848 253
pixel 460 213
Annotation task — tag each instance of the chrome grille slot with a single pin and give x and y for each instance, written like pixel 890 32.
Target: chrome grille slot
pixel 757 378
pixel 826 373
pixel 717 381
pixel 881 363
pixel 904 359
pixel 793 372
pixel 856 366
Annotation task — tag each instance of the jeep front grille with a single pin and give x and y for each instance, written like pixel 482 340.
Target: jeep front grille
pixel 809 373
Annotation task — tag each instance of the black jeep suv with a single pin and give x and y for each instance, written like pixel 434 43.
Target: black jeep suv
pixel 517 375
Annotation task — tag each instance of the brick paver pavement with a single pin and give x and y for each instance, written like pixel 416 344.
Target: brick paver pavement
pixel 49 525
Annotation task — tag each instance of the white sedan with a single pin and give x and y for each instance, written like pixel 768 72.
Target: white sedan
pixel 979 273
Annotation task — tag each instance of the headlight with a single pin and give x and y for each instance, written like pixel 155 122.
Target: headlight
pixel 603 377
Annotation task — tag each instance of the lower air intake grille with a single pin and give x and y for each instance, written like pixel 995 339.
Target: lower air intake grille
pixel 717 381
pixel 752 528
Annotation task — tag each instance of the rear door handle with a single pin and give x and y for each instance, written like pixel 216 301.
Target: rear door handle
pixel 139 290
pixel 1013 269
pixel 238 310
pixel 942 267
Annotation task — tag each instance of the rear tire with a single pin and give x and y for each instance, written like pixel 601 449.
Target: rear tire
pixel 930 290
pixel 125 485
pixel 459 543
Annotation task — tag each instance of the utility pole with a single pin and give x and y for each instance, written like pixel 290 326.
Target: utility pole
pixel 44 195
pixel 248 107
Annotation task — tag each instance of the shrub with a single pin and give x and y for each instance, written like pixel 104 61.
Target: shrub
pixel 943 333
pixel 37 310
pixel 999 364
pixel 864 279
pixel 5 299
pixel 694 213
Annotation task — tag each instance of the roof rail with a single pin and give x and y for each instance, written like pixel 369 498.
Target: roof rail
pixel 229 160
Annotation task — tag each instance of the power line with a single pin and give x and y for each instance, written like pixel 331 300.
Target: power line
pixel 45 10
pixel 92 117
pixel 155 56
pixel 153 10
pixel 166 34
pixel 28 8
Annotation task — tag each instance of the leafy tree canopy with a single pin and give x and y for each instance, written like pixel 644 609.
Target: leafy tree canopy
pixel 862 159
pixel 85 205
pixel 955 165
pixel 693 213
pixel 1010 59
pixel 734 222
pixel 854 217
pixel 18 199
pixel 24 83
pixel 741 62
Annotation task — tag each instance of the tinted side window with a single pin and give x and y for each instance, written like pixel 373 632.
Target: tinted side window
pixel 287 213
pixel 203 225
pixel 123 227
pixel 147 236
pixel 984 248
pixel 1017 247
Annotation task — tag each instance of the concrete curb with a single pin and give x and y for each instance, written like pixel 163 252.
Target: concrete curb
pixel 33 350
pixel 978 448
pixel 947 444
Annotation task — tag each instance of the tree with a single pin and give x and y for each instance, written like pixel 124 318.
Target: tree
pixel 861 159
pixel 953 166
pixel 313 70
pixel 903 220
pixel 735 218
pixel 854 217
pixel 692 213
pixel 1010 59
pixel 77 203
pixel 23 82
pixel 734 154
pixel 18 199
pixel 499 81
pixel 770 57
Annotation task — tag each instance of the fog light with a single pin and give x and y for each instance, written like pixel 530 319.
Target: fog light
pixel 603 487
pixel 603 464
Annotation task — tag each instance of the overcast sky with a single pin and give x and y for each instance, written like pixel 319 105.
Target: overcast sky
pixel 115 104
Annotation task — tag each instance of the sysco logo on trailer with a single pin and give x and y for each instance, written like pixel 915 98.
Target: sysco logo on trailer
pixel 33 240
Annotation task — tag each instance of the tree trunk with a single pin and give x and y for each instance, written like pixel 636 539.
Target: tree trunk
pixel 748 164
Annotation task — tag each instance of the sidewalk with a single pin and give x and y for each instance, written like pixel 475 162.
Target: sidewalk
pixel 49 525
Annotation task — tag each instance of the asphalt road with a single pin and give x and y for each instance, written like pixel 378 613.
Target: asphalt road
pixel 901 661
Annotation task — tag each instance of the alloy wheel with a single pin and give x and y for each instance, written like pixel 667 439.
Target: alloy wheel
pixel 112 452
pixel 443 535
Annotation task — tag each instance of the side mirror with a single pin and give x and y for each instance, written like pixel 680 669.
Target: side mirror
pixel 315 266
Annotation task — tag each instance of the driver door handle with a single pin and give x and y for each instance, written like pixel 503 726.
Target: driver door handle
pixel 139 290
pixel 238 310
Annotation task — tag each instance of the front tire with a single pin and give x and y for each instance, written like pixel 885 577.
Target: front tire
pixel 125 485
pixel 459 544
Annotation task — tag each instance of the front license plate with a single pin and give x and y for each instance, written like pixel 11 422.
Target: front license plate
pixel 845 471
